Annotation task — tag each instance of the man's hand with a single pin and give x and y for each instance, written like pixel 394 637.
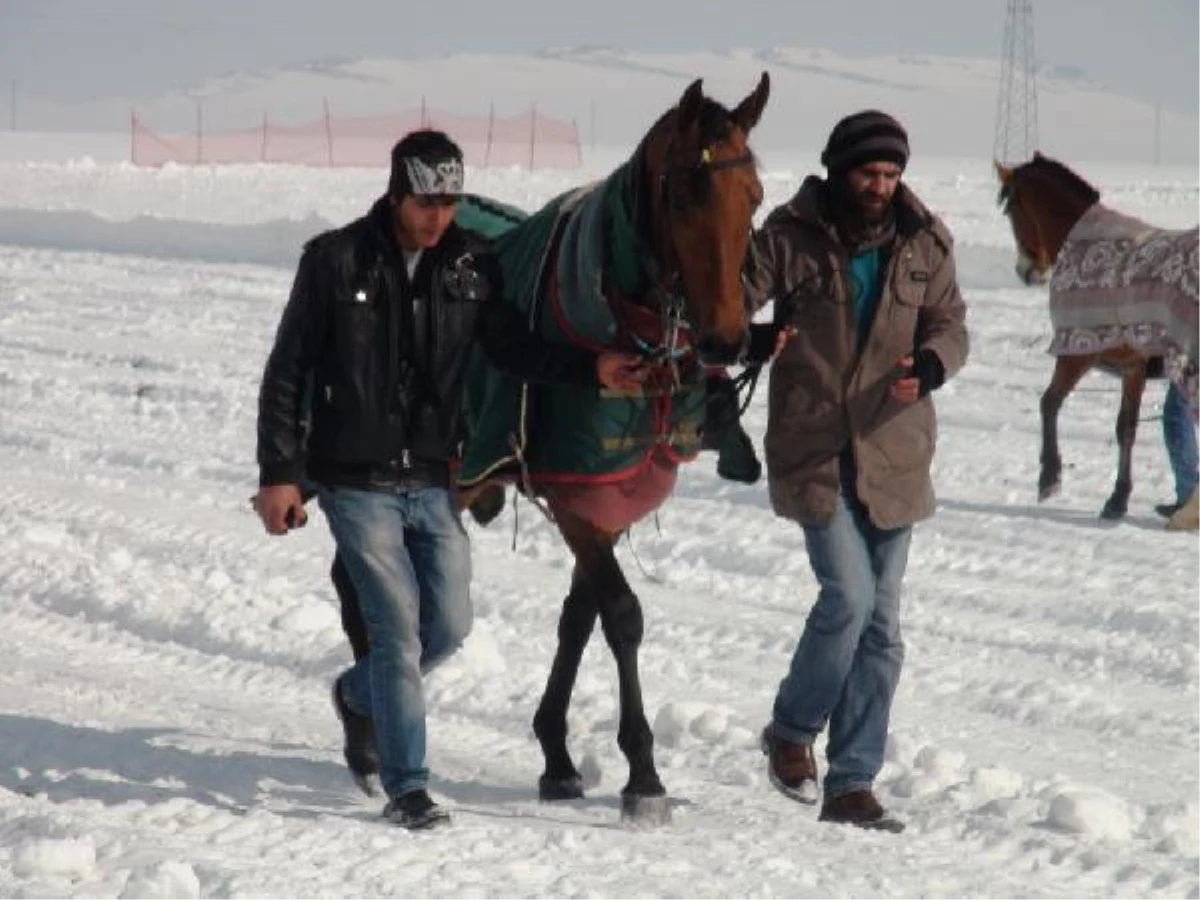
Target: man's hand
pixel 907 386
pixel 276 504
pixel 621 371
pixel 917 375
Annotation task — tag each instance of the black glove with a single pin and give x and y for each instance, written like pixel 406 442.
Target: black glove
pixel 928 370
pixel 761 346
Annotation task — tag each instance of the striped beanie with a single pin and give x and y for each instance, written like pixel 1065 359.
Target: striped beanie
pixel 865 137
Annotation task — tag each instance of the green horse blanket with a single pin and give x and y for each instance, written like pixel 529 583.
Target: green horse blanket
pixel 560 266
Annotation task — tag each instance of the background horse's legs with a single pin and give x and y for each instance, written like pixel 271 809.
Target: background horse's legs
pixel 1133 383
pixel 561 780
pixel 599 577
pixel 1067 372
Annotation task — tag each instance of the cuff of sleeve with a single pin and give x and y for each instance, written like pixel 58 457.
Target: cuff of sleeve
pixel 583 370
pixel 762 343
pixel 929 371
pixel 279 473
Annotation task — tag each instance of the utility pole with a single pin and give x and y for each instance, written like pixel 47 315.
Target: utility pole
pixel 12 107
pixel 1016 106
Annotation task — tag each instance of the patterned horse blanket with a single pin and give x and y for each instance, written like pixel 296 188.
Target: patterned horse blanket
pixel 1120 282
pixel 561 266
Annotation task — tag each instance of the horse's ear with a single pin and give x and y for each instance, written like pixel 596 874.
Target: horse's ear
pixel 1037 154
pixel 1003 172
pixel 747 114
pixel 690 105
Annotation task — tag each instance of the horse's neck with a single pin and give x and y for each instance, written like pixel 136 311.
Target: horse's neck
pixel 1102 222
pixel 1060 228
pixel 630 252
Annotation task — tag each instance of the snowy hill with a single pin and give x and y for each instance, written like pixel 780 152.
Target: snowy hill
pixel 948 103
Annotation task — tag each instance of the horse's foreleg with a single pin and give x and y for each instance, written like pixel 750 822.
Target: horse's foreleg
pixel 561 780
pixel 1133 383
pixel 599 577
pixel 1067 372
pixel 643 796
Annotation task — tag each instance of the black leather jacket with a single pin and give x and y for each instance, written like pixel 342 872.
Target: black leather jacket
pixel 363 386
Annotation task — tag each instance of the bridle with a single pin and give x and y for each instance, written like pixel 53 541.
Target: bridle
pixel 667 290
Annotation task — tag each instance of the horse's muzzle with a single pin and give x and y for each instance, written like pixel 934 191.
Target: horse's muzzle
pixel 1033 275
pixel 714 351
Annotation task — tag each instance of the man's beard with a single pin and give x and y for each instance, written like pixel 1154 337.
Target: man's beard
pixel 873 208
pixel 861 226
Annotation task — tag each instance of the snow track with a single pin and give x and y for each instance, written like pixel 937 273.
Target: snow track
pixel 166 720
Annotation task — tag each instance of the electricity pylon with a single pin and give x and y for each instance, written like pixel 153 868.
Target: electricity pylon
pixel 1016 107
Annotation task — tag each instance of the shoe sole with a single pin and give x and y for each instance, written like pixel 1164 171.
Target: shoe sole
pixel 886 823
pixel 807 793
pixel 434 819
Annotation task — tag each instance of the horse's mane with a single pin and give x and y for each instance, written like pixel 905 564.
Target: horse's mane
pixel 1054 176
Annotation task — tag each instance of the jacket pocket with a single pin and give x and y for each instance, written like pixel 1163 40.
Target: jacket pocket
pixel 909 291
pixel 462 280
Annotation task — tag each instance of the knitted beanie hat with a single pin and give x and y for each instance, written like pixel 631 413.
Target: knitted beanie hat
pixel 865 137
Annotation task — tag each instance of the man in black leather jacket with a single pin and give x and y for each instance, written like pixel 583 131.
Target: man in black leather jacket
pixel 362 396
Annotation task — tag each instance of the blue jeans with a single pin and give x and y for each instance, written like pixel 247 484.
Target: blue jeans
pixel 410 560
pixel 847 664
pixel 1179 434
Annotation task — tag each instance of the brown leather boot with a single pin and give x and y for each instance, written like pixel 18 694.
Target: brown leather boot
pixel 861 809
pixel 791 767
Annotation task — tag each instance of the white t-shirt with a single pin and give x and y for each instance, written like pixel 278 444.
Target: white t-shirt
pixel 411 258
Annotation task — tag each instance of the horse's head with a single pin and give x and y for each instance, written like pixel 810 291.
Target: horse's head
pixel 1043 200
pixel 702 207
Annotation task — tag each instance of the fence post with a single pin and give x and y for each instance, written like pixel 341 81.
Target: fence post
pixel 532 132
pixel 578 148
pixel 199 130
pixel 487 151
pixel 328 135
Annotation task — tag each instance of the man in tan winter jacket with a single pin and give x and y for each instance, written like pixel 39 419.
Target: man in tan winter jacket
pixel 864 273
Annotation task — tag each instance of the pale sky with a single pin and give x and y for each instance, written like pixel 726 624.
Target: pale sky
pixel 83 49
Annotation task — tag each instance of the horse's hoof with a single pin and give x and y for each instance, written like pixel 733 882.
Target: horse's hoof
pixel 1046 491
pixel 552 789
pixel 1112 512
pixel 640 810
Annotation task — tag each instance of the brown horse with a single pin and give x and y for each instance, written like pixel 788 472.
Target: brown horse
pixel 1122 295
pixel 648 260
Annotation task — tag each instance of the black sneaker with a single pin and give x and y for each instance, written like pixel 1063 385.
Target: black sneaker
pixel 416 811
pixel 362 759
pixel 1166 510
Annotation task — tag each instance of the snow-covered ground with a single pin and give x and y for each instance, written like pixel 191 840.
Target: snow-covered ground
pixel 165 726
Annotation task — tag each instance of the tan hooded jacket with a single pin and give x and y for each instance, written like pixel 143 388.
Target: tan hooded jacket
pixel 824 396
